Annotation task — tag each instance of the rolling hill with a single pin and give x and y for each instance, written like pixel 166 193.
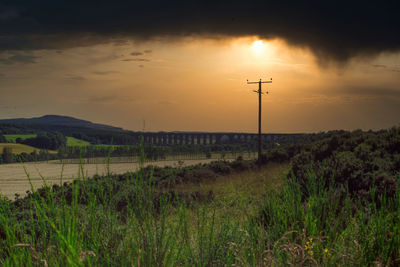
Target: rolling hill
pixel 57 120
pixel 81 129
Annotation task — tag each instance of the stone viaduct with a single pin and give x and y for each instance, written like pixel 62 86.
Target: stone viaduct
pixel 201 138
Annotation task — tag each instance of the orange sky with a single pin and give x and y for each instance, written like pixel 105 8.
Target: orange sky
pixel 197 84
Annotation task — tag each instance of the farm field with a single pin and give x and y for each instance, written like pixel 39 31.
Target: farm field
pixel 13 178
pixel 21 148
pixel 13 137
pixel 72 141
pixel 127 159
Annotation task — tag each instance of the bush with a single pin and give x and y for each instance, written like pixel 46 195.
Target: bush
pixel 356 161
pixel 241 165
pixel 385 185
pixel 198 175
pixel 7 155
pixel 278 155
pixel 221 167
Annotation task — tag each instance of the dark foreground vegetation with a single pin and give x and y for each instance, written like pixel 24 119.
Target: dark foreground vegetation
pixel 339 205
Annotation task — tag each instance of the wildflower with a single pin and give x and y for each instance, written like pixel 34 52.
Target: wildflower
pixel 309 247
pixel 327 254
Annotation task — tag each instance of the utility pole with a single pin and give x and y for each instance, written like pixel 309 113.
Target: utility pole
pixel 259 114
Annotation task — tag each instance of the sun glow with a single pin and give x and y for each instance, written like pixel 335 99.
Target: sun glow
pixel 258 47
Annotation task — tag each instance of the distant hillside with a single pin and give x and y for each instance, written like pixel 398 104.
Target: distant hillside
pixel 56 120
pixel 81 129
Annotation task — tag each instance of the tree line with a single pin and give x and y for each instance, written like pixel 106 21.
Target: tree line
pixel 51 141
pixel 8 156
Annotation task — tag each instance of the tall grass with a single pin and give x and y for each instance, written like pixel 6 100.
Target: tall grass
pixel 330 228
pixel 85 223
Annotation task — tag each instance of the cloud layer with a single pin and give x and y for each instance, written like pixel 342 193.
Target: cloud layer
pixel 332 30
pixel 18 58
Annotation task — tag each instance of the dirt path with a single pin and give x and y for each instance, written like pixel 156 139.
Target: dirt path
pixel 13 178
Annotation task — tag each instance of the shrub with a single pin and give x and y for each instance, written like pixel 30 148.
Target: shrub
pixel 7 155
pixel 220 167
pixel 356 161
pixel 241 165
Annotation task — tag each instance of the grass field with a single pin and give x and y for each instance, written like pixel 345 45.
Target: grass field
pixel 72 141
pixel 13 137
pixel 20 148
pixel 254 217
pixel 240 195
pixel 13 178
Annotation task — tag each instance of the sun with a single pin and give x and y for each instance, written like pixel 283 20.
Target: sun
pixel 258 47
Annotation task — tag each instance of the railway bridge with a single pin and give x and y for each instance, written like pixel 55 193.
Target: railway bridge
pixel 202 138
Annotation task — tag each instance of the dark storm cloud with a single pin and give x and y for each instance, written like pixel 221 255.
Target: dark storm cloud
pixel 7 13
pixel 335 30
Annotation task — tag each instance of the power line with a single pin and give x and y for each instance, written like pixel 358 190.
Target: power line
pixel 259 113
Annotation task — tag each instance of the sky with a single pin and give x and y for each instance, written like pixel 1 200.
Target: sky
pixel 173 66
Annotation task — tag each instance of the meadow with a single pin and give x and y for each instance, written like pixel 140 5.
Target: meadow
pixel 72 141
pixel 75 142
pixel 13 137
pixel 205 215
pixel 21 148
pixel 334 203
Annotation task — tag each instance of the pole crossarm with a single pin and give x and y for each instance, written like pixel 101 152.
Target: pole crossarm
pixel 260 81
pixel 259 114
